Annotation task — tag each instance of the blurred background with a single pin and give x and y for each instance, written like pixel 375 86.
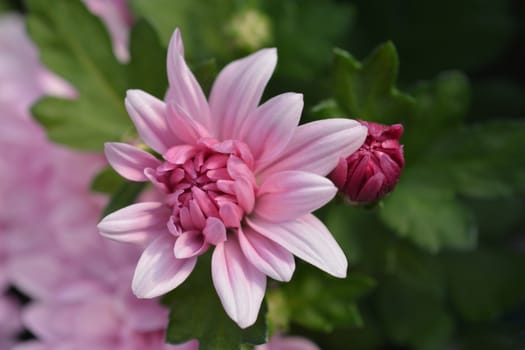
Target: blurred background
pixel 440 263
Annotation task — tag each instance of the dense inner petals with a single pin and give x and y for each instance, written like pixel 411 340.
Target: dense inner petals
pixel 210 187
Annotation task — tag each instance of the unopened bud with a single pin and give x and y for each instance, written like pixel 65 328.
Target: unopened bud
pixel 373 171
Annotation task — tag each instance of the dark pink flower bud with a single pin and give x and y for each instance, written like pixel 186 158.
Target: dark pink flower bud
pixel 372 171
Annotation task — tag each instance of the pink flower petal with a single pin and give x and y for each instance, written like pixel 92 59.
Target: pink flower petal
pixel 316 147
pixel 184 89
pixel 266 255
pixel 238 90
pixel 136 223
pixel 149 116
pixel 186 128
pixel 189 244
pixel 291 194
pixel 270 128
pixel 215 232
pixel 158 271
pixel 129 161
pixel 239 284
pixel 306 238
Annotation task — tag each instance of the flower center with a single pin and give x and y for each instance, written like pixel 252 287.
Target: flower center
pixel 209 186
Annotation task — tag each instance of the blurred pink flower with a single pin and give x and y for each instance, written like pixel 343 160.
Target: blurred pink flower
pixel 10 323
pixel 278 342
pixel 49 246
pixel 116 15
pixel 239 178
pixel 373 171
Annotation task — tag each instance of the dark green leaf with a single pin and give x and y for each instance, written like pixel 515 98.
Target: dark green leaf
pixel 324 303
pixel 486 283
pixel 107 181
pixel 367 90
pixel 413 317
pixel 476 32
pixel 147 67
pixel 482 160
pixel 327 109
pixel 441 105
pixel 123 196
pixel 205 72
pixel 197 313
pixel 74 44
pixel 429 216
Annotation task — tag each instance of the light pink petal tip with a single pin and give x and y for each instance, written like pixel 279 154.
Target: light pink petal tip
pixel 136 223
pixel 269 129
pixel 184 89
pixel 307 238
pixel 266 255
pixel 239 284
pixel 291 194
pixel 237 91
pixel 129 161
pixel 158 271
pixel 316 147
pixel 149 116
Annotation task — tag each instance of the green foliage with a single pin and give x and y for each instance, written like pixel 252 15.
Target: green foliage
pixel 147 67
pixel 74 44
pixel 430 217
pixel 106 181
pixel 197 313
pixel 475 32
pixel 124 195
pixel 324 303
pixel 486 283
pixel 366 90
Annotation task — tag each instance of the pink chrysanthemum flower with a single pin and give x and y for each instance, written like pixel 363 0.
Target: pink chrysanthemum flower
pixel 237 178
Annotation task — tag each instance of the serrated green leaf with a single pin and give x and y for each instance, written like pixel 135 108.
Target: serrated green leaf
pixel 324 303
pixel 431 217
pixel 197 313
pixel 72 123
pixel 147 67
pixel 486 283
pixel 106 181
pixel 123 196
pixel 367 90
pixel 74 44
pixel 441 105
pixel 482 160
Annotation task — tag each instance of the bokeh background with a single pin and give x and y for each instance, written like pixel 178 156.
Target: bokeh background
pixel 440 263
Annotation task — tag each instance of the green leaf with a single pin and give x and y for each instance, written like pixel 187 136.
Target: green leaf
pixel 197 313
pixel 106 181
pixel 483 160
pixel 476 32
pixel 441 105
pixel 147 67
pixel 123 196
pixel 431 217
pixel 486 283
pixel 327 109
pixel 367 90
pixel 74 44
pixel 205 72
pixel 324 303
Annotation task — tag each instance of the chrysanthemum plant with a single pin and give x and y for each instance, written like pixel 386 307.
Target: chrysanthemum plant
pixel 220 188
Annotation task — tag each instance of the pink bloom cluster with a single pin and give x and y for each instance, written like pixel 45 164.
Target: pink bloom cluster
pixel 373 171
pixel 238 178
pixel 49 247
